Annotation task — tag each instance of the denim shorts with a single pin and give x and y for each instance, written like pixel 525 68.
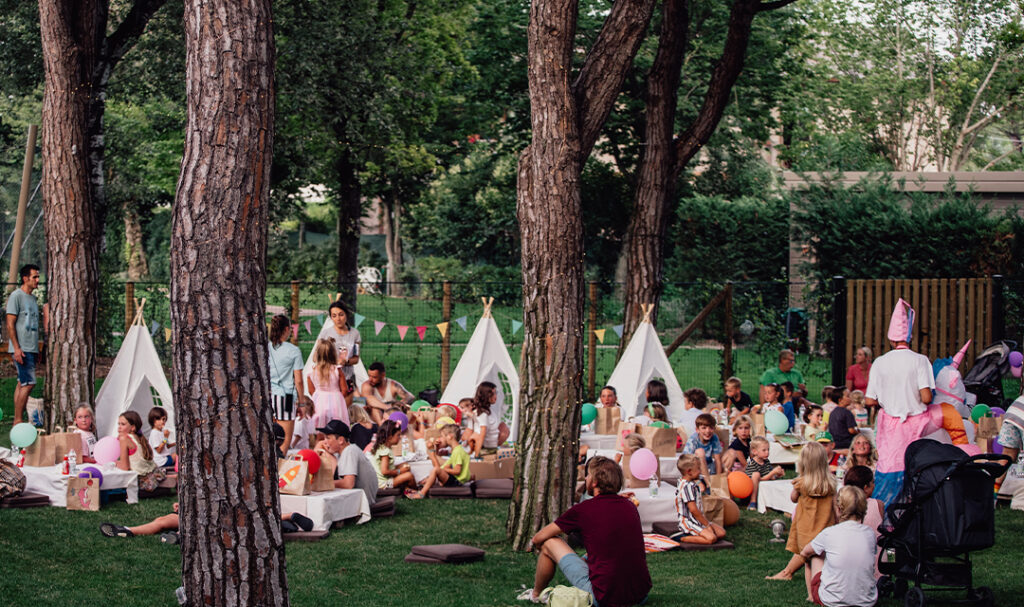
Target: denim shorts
pixel 26 370
pixel 577 572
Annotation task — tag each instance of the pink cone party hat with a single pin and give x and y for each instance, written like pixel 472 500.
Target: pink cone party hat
pixel 901 326
pixel 959 356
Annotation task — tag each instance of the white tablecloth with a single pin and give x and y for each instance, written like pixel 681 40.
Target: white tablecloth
pixel 775 495
pixel 326 507
pixel 598 441
pixel 49 481
pixel 656 509
pixel 421 469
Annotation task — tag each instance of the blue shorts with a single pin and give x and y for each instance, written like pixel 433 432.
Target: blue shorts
pixel 26 370
pixel 577 572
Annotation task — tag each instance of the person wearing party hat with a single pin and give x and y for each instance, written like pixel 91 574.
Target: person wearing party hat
pixel 901 383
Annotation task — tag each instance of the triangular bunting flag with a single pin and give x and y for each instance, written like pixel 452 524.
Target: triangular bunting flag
pixel 322 319
pixel 167 334
pixel 600 334
pixel 461 322
pixel 359 320
pixel 401 331
pixel 422 332
pixel 618 329
pixel 295 331
pixel 443 328
pixel 153 328
pixel 309 326
pixel 516 325
pixel 377 326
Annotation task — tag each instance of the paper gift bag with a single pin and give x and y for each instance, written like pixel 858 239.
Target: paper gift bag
pixel 662 441
pixel 719 484
pixel 723 436
pixel 758 421
pixel 323 480
pixel 607 421
pixel 293 477
pixel 624 429
pixel 714 508
pixel 83 493
pixel 41 453
pixel 988 427
pixel 63 442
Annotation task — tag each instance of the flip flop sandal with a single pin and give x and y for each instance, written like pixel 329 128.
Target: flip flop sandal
pixel 112 530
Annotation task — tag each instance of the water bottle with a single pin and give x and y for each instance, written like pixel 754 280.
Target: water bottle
pixel 405 446
pixel 72 462
pixel 652 486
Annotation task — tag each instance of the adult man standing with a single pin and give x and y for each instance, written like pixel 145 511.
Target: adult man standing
pixel 354 470
pixel 783 372
pixel 381 393
pixel 23 335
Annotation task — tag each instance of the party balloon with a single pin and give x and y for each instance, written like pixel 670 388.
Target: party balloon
pixel 730 512
pixel 91 472
pixel 776 422
pixel 660 424
pixel 998 411
pixel 740 485
pixel 23 434
pixel 980 411
pixel 588 413
pixel 997 448
pixel 401 418
pixel 643 464
pixel 443 421
pixel 420 404
pixel 970 449
pixel 1016 359
pixel 1015 371
pixel 106 450
pixel 1 414
pixel 311 458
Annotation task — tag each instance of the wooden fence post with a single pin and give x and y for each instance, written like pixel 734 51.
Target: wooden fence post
pixel 727 343
pixel 839 321
pixel 446 339
pixel 129 305
pixel 997 310
pixel 592 343
pixel 295 310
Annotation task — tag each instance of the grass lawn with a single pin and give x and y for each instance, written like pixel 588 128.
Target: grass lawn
pixel 56 557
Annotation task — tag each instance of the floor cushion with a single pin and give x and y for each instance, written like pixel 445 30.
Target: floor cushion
pixel 494 488
pixel 462 492
pixel 449 553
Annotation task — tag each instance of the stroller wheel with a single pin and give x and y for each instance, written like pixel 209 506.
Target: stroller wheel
pixel 899 588
pixel 914 597
pixel 982 595
pixel 885 586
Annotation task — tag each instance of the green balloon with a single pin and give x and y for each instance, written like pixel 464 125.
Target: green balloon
pixel 420 404
pixel 776 422
pixel 1 414
pixel 980 411
pixel 588 413
pixel 23 435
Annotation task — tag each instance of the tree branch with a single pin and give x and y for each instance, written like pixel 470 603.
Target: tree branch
pixel 776 4
pixel 998 158
pixel 606 65
pixel 127 34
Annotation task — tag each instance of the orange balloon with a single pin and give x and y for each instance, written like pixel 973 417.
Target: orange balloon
pixel 740 485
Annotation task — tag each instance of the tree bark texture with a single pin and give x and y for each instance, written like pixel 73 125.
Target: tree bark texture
pixel 232 549
pixel 135 253
pixel 565 121
pixel 349 211
pixel 663 159
pixel 72 273
pixel 391 220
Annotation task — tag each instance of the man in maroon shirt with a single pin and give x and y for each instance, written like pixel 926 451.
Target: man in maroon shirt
pixel 615 572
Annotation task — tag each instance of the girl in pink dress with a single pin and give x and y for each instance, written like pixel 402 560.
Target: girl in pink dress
pixel 324 384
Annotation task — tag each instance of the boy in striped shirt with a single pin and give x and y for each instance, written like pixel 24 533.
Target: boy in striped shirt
pixel 694 527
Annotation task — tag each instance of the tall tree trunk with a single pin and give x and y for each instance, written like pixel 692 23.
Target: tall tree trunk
pixel 135 253
pixel 566 120
pixel 349 211
pixel 232 549
pixel 72 276
pixel 661 166
pixel 390 219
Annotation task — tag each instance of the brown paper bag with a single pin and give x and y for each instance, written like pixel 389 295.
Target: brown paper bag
pixel 758 428
pixel 293 477
pixel 985 444
pixel 607 421
pixel 429 416
pixel 83 493
pixel 988 427
pixel 63 442
pixel 714 508
pixel 624 429
pixel 719 484
pixel 662 441
pixel 323 480
pixel 42 452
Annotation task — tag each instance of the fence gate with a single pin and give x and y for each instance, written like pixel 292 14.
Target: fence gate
pixel 949 312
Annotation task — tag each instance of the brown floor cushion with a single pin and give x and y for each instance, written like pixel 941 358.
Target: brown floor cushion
pixel 494 488
pixel 462 492
pixel 306 536
pixel 416 558
pixel 719 545
pixel 665 527
pixel 25 500
pixel 449 553
pixel 388 491
pixel 384 507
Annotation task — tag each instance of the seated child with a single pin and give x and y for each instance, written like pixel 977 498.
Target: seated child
pixel 834 458
pixel 363 430
pixel 759 468
pixel 705 444
pixel 813 417
pixel 389 435
pixel 737 402
pixel 840 559
pixel 694 527
pixel 455 470
pixel 303 425
pixel 827 404
pixel 160 439
pixel 167 526
pixel 656 412
pixel 863 478
pixel 85 425
pixel 695 403
pixel 788 405
pixel 862 453
pixel 772 394
pixel 735 457
pixel 858 408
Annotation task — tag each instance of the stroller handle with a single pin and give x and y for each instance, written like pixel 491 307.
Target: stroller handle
pixel 995 464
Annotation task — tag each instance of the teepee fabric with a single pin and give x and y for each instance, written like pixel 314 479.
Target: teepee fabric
pixel 486 359
pixel 134 376
pixel 644 360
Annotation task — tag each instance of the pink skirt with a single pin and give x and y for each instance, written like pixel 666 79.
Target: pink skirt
pixel 894 435
pixel 329 405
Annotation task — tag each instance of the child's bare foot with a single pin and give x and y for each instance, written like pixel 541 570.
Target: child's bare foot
pixel 782 575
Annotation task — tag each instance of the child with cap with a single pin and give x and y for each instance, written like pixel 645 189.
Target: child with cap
pixel 354 470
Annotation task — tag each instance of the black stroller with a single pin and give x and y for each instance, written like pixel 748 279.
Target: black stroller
pixel 985 379
pixel 946 511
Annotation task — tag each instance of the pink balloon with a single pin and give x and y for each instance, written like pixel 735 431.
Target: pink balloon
pixel 643 464
pixel 107 449
pixel 1015 371
pixel 970 449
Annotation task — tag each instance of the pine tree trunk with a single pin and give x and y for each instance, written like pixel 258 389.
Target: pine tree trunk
pixel 232 549
pixel 391 211
pixel 72 235
pixel 349 211
pixel 138 266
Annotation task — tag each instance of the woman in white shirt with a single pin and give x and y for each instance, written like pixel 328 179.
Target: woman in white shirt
pixel 485 422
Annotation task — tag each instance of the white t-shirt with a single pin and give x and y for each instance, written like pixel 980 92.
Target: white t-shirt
pixel 88 442
pixel 688 420
pixel 848 577
pixel 303 428
pixel 896 380
pixel 156 438
pixel 489 423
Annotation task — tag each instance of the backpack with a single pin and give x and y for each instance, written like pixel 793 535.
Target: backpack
pixel 567 596
pixel 12 479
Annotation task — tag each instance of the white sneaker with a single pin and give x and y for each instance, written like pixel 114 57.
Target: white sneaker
pixel 527 595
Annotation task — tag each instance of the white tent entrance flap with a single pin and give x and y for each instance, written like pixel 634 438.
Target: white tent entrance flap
pixel 644 360
pixel 486 359
pixel 136 381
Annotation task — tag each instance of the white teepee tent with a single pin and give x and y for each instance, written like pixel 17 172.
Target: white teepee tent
pixel 486 359
pixel 136 381
pixel 644 360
